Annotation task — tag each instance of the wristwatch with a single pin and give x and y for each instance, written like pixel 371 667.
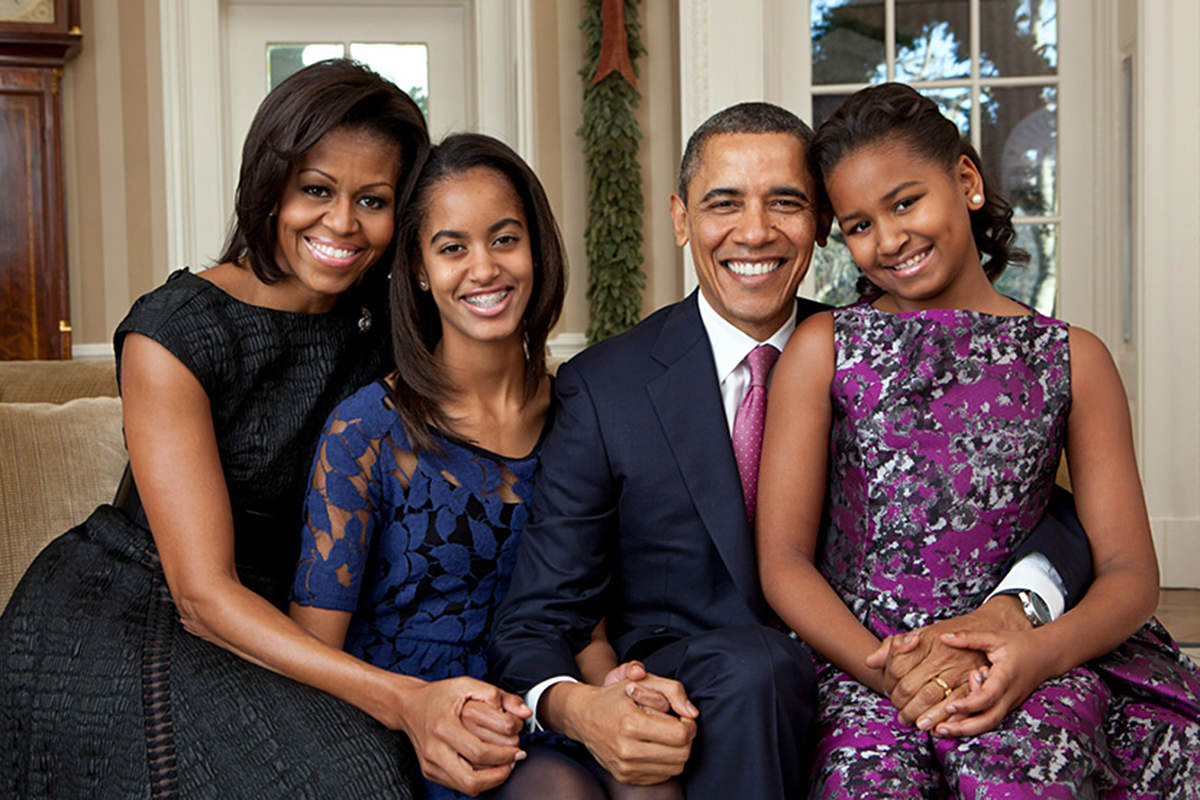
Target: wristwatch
pixel 1035 608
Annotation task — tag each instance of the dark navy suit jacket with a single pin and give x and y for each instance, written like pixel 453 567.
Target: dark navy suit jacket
pixel 638 515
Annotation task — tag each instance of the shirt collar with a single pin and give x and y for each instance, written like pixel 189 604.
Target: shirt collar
pixel 730 346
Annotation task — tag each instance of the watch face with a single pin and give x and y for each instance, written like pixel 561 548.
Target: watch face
pixel 1040 609
pixel 36 11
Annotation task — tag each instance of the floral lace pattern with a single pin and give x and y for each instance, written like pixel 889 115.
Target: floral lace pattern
pixel 420 547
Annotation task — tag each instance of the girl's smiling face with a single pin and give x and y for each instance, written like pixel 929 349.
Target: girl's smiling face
pixel 476 256
pixel 906 219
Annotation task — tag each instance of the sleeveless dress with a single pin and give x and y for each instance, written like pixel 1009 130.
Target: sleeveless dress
pixel 946 433
pixel 420 548
pixel 102 692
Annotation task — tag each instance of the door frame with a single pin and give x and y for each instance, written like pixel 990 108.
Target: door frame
pixel 198 191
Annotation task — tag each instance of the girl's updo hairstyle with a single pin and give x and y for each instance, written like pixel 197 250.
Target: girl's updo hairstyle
pixel 896 113
pixel 325 96
pixel 421 384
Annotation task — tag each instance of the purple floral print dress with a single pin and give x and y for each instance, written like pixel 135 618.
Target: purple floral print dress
pixel 946 434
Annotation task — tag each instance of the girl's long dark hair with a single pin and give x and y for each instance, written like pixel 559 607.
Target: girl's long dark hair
pixel 897 113
pixel 331 94
pixel 421 385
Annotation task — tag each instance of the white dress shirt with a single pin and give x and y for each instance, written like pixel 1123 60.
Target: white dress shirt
pixel 730 346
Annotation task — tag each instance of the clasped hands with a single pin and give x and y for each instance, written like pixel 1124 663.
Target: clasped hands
pixel 962 676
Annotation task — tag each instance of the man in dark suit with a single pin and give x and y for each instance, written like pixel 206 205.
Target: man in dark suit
pixel 642 514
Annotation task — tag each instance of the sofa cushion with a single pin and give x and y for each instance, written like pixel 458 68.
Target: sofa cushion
pixel 59 463
pixel 56 381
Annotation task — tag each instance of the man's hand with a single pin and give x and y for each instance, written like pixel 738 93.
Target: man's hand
pixel 1019 666
pixel 634 672
pixel 637 745
pixel 911 661
pixel 447 750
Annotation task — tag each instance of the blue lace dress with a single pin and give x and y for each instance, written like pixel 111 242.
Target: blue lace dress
pixel 419 547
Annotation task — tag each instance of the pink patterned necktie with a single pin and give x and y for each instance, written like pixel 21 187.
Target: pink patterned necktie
pixel 748 424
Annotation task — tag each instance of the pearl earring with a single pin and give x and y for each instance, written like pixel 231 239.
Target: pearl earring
pixel 424 286
pixel 977 199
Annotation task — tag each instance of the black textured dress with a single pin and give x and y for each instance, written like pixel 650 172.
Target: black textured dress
pixel 102 692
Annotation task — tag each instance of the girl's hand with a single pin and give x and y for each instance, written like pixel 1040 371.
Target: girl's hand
pixel 448 752
pixel 500 726
pixel 1019 665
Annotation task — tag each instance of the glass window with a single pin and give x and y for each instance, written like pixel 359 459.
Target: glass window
pixel 406 65
pixel 992 67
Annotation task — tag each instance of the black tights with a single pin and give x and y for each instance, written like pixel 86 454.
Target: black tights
pixel 550 774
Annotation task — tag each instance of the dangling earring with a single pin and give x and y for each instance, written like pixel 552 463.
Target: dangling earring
pixel 977 199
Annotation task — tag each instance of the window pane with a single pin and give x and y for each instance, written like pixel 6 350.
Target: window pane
pixel 955 104
pixel 1035 283
pixel 1020 146
pixel 834 271
pixel 824 105
pixel 1018 37
pixel 284 59
pixel 847 41
pixel 932 40
pixel 406 65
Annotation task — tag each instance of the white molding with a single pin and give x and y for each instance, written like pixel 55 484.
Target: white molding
pixel 192 110
pixel 98 351
pixel 566 345
pixel 1167 327
pixel 1177 545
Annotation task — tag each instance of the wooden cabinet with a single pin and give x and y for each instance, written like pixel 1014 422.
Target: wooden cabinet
pixel 36 40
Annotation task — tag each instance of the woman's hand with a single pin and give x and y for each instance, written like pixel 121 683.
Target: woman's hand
pixel 432 714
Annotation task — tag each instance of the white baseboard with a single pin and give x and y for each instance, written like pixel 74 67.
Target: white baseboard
pixel 1177 543
pixel 561 347
pixel 566 345
pixel 99 351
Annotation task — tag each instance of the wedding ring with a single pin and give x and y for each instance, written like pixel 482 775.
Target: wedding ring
pixel 945 687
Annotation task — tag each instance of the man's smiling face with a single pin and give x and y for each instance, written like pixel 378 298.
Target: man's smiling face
pixel 751 220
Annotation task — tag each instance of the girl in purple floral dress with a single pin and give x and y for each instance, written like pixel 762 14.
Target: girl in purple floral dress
pixel 937 409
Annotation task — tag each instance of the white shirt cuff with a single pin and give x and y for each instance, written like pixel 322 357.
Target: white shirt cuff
pixel 1035 573
pixel 535 694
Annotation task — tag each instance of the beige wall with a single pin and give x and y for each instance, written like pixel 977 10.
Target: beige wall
pixel 112 153
pixel 558 54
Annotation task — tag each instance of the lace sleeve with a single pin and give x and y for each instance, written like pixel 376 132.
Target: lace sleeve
pixel 340 516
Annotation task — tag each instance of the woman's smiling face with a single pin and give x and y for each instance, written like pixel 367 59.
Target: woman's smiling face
pixel 336 215
pixel 476 255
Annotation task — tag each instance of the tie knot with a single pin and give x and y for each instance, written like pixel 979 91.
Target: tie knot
pixel 761 359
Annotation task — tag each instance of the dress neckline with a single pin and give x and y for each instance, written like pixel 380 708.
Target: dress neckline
pixel 869 304
pixel 332 313
pixel 457 440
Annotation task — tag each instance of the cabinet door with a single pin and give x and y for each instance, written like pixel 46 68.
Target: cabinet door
pixel 33 274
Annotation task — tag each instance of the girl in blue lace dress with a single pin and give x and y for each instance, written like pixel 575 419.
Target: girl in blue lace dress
pixel 938 409
pixel 421 481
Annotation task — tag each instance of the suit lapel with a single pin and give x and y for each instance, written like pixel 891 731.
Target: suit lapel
pixel 687 400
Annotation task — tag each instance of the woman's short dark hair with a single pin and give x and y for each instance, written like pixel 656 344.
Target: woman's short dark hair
pixel 325 96
pixel 421 386
pixel 897 113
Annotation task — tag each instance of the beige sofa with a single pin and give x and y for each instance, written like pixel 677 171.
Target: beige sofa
pixel 61 453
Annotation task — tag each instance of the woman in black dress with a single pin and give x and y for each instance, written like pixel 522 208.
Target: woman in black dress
pixel 145 652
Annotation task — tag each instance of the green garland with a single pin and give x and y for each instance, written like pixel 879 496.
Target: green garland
pixel 610 146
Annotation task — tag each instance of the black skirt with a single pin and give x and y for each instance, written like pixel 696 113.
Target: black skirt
pixel 104 694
